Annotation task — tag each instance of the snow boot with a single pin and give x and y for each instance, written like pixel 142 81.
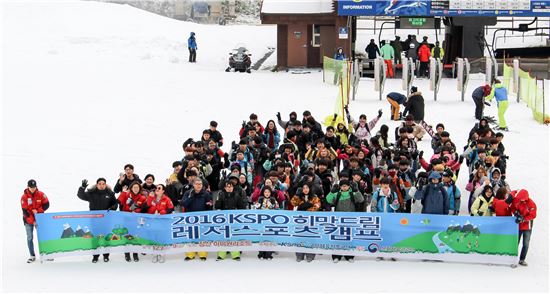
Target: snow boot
pixel 136 257
pixel 127 257
pixel 95 259
pixel 31 259
pixel 522 263
pixel 161 259
pixel 105 258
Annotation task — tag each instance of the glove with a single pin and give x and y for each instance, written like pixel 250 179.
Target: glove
pixel 379 113
pixel 226 156
pixel 420 154
pixel 224 174
pixel 414 155
pixel 84 183
pixel 479 212
pixel 491 209
pixel 519 219
pixel 278 115
pixel 509 199
pixel 243 124
pixel 334 117
pixel 460 159
pixel 305 206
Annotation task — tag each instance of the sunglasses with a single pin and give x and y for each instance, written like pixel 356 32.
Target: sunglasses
pixel 159 188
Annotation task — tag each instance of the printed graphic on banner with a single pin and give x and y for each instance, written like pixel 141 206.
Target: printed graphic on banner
pixel 478 8
pixel 455 238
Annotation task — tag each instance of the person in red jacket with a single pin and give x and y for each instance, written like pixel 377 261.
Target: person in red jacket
pixel 32 202
pixel 424 58
pixel 500 206
pixel 525 211
pixel 159 203
pixel 132 200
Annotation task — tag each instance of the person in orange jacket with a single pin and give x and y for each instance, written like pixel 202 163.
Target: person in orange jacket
pixel 424 58
pixel 33 201
pixel 525 211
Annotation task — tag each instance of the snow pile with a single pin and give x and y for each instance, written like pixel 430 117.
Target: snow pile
pixel 89 87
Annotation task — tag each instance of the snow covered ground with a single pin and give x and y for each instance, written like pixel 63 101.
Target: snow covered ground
pixel 89 87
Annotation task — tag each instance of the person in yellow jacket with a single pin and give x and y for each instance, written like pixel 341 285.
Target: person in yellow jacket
pixel 340 129
pixel 437 52
pixel 483 204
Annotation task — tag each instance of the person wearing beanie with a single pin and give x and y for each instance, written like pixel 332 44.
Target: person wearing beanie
pixel 415 105
pixel 433 196
pixel 285 124
pixel 500 93
pixel 452 191
pixel 344 200
pixel 33 202
pixel 478 96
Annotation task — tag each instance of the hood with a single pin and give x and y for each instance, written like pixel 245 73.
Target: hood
pixel 520 195
pixel 418 93
pixel 434 175
pixel 496 169
pixel 192 34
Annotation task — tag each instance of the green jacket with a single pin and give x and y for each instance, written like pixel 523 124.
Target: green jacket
pixel 387 52
pixel 344 203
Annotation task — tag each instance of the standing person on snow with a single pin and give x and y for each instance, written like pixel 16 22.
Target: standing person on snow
pixel 132 200
pixel 397 49
pixel 452 191
pixel 339 58
pixel 433 196
pixel 477 95
pixel 305 200
pixel 424 58
pixel 159 203
pixel 415 105
pixel 230 199
pixel 525 211
pixel 192 46
pixel 32 202
pixel 100 197
pixel 388 55
pixel 395 99
pixel 197 199
pixel 437 52
pixel 501 95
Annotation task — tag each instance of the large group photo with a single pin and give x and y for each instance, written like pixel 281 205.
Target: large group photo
pixel 324 153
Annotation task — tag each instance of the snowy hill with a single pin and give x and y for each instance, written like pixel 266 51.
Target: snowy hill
pixel 89 87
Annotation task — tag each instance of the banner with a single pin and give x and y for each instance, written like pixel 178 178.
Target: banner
pixel 404 236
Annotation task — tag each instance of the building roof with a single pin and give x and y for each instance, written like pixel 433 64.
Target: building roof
pixel 297 6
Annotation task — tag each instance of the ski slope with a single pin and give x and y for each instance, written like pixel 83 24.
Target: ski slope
pixel 89 87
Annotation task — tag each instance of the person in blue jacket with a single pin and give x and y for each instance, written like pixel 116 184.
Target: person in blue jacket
pixel 433 196
pixel 384 199
pixel 339 57
pixel 192 46
pixel 395 99
pixel 501 95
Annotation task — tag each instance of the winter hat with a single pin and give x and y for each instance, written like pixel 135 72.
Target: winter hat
pixel 448 174
pixel 293 115
pixel 434 175
pixel 31 184
pixel 235 166
pixel 422 175
pixel 414 89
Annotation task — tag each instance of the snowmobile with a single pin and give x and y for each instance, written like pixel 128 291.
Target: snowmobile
pixel 239 59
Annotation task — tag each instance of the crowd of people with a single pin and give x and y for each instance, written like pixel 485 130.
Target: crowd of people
pixel 351 165
pixel 391 51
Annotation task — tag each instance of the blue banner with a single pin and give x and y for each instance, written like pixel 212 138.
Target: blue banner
pixel 409 236
pixel 479 8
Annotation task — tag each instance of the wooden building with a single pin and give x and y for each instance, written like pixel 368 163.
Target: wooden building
pixel 307 30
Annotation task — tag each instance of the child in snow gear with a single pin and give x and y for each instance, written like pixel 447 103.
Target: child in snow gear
pixel 33 201
pixel 268 201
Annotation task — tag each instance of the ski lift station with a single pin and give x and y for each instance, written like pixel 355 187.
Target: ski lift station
pixel 308 30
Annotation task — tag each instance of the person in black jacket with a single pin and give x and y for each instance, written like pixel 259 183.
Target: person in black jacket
pixel 100 197
pixel 126 178
pixel 415 105
pixel 230 199
pixel 197 199
pixel 478 95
